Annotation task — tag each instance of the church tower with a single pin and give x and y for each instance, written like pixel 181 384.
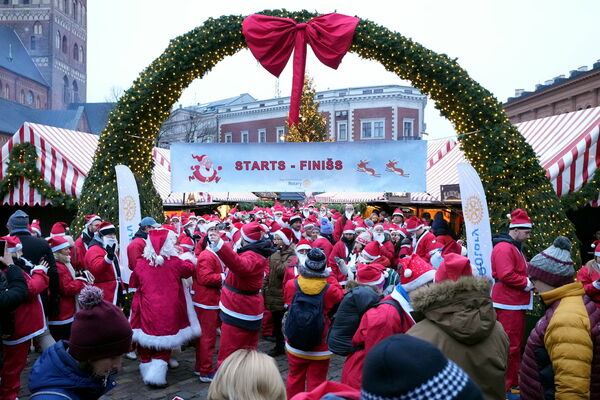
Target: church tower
pixel 54 32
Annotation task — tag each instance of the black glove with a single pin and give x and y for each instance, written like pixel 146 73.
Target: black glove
pixel 110 251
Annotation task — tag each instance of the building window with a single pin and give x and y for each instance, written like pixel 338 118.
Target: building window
pixel 407 127
pixel 38 102
pixel 262 136
pixel 228 138
pixel 32 44
pixel 25 2
pixel 37 28
pixel 372 129
pixel 7 92
pixel 66 6
pixel 75 92
pixel 244 136
pixel 280 134
pixel 57 40
pixel 66 92
pixel 64 44
pixel 22 97
pixel 342 130
pixel 81 54
pixel 76 52
pixel 29 98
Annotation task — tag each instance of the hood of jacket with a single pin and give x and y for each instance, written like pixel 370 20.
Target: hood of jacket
pixel 463 309
pixel 505 237
pixel 141 234
pixel 264 247
pixel 57 370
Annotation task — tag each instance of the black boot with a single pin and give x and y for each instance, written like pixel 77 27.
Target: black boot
pixel 276 351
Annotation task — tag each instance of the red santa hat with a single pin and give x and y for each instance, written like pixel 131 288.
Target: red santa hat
pixel 58 243
pixel 13 243
pixel 308 224
pixel 278 207
pixel 294 218
pixel 399 212
pixel 364 238
pixel 519 219
pixel 453 267
pixel 360 225
pixel 349 228
pixel 370 274
pixel 253 232
pixel 154 244
pixel 403 232
pixel 372 251
pixel 336 215
pixel 594 245
pixel 89 219
pixel 416 273
pixel 303 244
pixel 169 227
pixel 106 228
pixel 414 224
pixel 273 226
pixel 286 235
pixel 35 227
pixel 185 241
pixel 59 229
pixel 212 224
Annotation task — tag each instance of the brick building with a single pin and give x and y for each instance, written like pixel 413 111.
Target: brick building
pixel 578 91
pixel 54 35
pixel 388 112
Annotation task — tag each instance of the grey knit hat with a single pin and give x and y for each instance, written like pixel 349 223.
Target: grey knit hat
pixel 19 220
pixel 553 265
pixel 315 265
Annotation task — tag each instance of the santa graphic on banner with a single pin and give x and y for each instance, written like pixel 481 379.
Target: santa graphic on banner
pixel 204 172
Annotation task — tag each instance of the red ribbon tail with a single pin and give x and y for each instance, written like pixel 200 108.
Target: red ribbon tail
pixel 298 76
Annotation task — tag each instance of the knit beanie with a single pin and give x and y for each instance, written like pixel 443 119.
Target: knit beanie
pixel 315 265
pixel 326 227
pixel 18 221
pixel 404 367
pixel 553 265
pixel 100 329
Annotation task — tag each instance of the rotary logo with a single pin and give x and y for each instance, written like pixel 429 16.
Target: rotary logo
pixel 473 211
pixel 128 205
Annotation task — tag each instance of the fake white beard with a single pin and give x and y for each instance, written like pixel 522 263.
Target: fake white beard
pixel 109 242
pixel 201 228
pixel 349 214
pixel 306 213
pixel 363 260
pixel 380 237
pixel 301 258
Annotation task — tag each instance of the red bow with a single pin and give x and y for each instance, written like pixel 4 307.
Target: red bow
pixel 272 39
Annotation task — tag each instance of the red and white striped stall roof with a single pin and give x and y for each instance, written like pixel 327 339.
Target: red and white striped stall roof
pixel 66 156
pixel 349 197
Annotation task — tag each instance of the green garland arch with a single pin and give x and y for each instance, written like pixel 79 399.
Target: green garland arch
pixel 506 164
pixel 21 163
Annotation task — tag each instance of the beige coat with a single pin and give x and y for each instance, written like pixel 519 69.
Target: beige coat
pixel 461 322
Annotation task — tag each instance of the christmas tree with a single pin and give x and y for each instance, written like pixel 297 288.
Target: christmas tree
pixel 312 124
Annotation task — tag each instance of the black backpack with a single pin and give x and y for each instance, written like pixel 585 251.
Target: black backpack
pixel 305 321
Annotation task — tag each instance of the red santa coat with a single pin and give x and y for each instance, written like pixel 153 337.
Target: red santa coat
pixel 448 244
pixel 587 276
pixel 338 229
pixel 104 271
pixel 339 250
pixel 425 243
pixel 69 288
pixel 242 304
pixel 30 320
pixel 135 251
pixel 509 269
pixel 79 250
pixel 332 297
pixel 208 280
pixel 324 244
pixel 388 250
pixel 375 325
pixel 164 318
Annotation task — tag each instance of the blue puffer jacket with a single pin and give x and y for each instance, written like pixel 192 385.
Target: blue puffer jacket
pixel 57 376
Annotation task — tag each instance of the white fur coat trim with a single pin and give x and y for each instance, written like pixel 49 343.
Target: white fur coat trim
pixel 154 372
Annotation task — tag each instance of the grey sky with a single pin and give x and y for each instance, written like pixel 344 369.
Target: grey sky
pixel 503 45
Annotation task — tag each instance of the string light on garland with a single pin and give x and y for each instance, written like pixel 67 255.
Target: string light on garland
pixel 507 165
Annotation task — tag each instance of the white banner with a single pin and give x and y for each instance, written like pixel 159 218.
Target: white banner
pixel 129 215
pixel 477 220
pixel 365 166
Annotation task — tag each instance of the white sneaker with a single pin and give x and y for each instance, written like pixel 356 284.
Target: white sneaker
pixel 207 378
pixel 131 355
pixel 173 363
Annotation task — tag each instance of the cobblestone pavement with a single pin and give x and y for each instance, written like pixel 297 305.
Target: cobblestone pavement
pixel 182 381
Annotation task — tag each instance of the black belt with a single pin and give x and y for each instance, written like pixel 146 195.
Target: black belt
pixel 240 291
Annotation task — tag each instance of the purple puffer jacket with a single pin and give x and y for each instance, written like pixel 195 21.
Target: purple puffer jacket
pixel 530 376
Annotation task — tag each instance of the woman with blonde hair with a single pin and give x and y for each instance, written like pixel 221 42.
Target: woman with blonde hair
pixel 247 375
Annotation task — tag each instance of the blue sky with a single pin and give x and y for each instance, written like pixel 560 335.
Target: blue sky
pixel 504 45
